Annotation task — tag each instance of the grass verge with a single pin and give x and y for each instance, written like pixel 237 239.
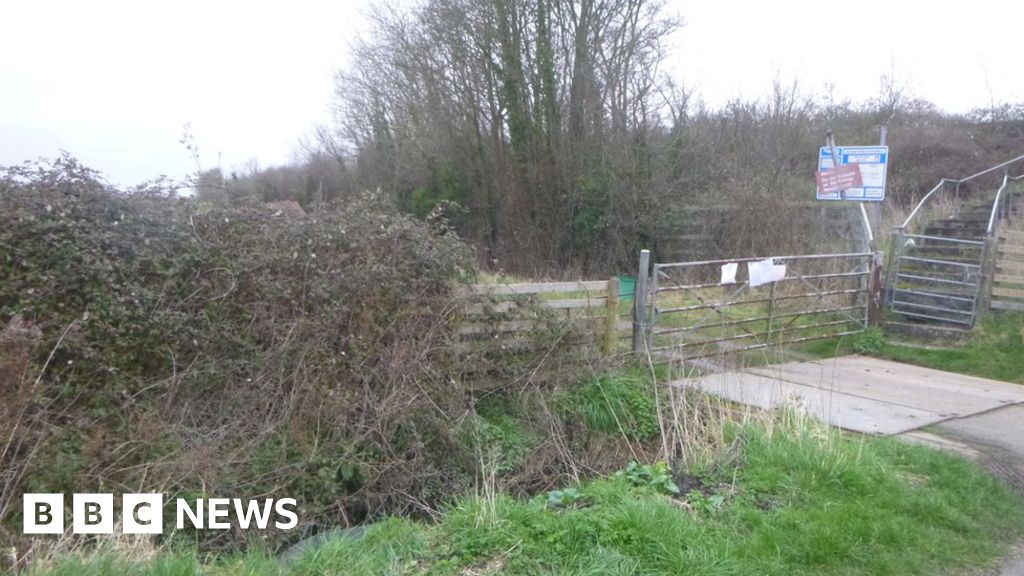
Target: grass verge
pixel 792 498
pixel 995 350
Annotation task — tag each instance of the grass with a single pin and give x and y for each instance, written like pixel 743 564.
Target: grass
pixel 995 350
pixel 498 436
pixel 799 499
pixel 618 404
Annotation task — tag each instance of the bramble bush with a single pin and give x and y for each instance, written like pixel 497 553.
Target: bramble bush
pixel 154 342
pixel 206 350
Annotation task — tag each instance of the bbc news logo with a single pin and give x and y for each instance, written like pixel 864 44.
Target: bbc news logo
pixel 144 513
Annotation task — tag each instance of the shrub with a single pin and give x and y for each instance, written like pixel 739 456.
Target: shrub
pixel 234 349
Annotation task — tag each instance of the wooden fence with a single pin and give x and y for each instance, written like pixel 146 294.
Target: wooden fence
pixel 1008 282
pixel 537 316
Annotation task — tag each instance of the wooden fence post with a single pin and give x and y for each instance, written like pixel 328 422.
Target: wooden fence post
pixel 611 318
pixel 989 255
pixel 640 303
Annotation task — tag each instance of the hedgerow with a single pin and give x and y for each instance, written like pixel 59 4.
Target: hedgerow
pixel 154 342
pixel 151 341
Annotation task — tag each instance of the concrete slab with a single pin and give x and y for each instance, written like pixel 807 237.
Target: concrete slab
pixel 935 378
pixel 934 392
pixel 843 410
pixel 863 394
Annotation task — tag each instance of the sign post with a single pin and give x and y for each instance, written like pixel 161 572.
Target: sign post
pixel 853 173
pixel 876 209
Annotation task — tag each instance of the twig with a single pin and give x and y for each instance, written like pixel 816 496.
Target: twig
pixel 194 231
pixel 35 385
pixel 5 496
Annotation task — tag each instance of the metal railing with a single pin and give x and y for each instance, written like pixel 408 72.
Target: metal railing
pixel 1003 204
pixel 940 188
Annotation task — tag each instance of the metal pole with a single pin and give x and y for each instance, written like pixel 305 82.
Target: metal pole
pixel 876 207
pixel 639 303
pixel 866 236
pixel 895 251
pixel 1004 203
pixel 830 141
pixel 874 304
pixel 983 295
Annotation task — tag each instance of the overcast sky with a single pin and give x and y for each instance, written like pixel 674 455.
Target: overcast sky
pixel 114 82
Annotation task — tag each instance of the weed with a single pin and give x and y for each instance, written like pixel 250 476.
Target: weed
pixel 655 476
pixel 564 498
pixel 869 342
pixel 706 505
pixel 314 344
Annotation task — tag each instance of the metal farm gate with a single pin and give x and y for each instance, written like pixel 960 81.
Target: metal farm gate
pixel 691 310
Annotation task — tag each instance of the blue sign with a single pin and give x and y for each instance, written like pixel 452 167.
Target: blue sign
pixel 873 162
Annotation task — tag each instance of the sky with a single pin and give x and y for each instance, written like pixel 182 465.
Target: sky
pixel 115 82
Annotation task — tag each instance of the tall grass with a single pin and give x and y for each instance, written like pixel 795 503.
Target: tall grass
pixel 795 498
pixel 762 492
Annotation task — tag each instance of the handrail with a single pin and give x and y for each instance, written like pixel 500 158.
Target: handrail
pixel 992 169
pixel 995 205
pixel 867 224
pixel 923 200
pixel 945 181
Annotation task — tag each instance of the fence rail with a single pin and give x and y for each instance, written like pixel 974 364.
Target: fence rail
pixel 541 315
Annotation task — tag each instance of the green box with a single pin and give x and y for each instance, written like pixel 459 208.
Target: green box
pixel 627 288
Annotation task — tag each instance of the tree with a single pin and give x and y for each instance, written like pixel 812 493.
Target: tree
pixel 463 101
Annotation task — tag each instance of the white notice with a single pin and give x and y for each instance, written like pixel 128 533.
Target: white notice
pixel 729 272
pixel 764 272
